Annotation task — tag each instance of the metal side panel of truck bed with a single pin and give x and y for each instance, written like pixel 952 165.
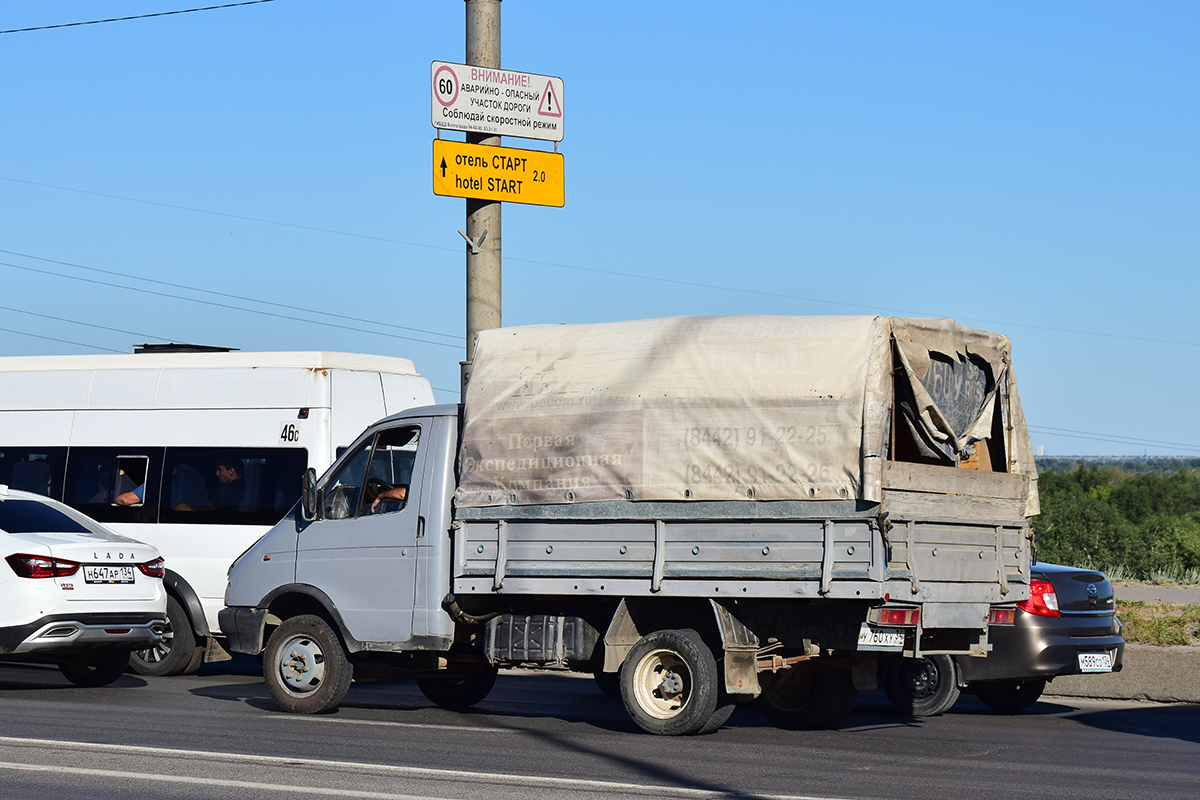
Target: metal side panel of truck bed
pixel 955 553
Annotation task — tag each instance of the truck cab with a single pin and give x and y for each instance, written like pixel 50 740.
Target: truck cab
pixel 378 569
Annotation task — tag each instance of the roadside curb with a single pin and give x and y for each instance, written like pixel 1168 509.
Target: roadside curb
pixel 1158 594
pixel 1161 674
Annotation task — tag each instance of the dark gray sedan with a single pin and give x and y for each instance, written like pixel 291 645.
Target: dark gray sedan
pixel 1068 626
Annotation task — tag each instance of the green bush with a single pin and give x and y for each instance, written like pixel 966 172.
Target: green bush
pixel 1144 526
pixel 1173 542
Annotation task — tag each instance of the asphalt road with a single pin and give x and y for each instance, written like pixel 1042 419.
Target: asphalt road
pixel 555 736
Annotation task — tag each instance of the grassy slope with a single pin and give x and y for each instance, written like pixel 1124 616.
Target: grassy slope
pixel 1162 624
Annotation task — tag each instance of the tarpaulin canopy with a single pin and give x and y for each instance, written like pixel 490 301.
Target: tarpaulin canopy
pixel 730 408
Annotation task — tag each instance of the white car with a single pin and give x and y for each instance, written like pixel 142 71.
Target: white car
pixel 73 592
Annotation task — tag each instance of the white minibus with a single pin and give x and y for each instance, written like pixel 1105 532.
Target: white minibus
pixel 197 451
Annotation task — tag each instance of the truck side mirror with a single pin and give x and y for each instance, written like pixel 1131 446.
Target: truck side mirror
pixel 308 494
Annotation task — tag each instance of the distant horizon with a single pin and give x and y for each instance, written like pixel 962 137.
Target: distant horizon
pixel 1120 458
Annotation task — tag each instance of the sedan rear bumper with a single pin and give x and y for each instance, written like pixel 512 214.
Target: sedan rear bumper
pixel 70 634
pixel 1043 647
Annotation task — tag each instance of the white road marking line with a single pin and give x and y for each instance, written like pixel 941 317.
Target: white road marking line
pixel 223 782
pixel 655 790
pixel 211 781
pixel 386 723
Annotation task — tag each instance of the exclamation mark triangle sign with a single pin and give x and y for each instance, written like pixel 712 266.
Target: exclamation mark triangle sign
pixel 550 106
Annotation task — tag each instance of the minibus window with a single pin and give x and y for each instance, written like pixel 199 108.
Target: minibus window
pixel 34 469
pixel 113 484
pixel 230 486
pixel 129 481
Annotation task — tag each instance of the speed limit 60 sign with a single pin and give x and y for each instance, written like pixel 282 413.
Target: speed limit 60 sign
pixel 496 101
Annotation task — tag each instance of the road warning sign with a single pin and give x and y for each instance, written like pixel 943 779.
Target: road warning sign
pixel 550 107
pixel 507 174
pixel 496 102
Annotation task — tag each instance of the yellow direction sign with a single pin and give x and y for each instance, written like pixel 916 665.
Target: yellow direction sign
pixel 497 173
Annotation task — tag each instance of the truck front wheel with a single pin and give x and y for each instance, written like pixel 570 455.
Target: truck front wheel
pixel 306 667
pixel 669 683
pixel 458 691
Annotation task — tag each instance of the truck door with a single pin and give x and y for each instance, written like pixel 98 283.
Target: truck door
pixel 362 549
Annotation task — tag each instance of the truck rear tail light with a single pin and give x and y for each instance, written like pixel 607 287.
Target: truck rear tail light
pixel 154 568
pixel 1002 616
pixel 27 566
pixel 1042 599
pixel 899 616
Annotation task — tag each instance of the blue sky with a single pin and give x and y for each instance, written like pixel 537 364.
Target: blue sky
pixel 1031 168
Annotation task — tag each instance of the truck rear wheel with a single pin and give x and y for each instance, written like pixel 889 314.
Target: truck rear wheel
pixel 1009 697
pixel 798 700
pixel 669 683
pixel 459 691
pixel 306 667
pixel 178 653
pixel 920 687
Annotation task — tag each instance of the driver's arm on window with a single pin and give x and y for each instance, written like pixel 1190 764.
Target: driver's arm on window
pixel 395 493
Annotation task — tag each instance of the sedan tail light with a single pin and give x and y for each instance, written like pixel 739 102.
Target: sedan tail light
pixel 154 568
pixel 1042 599
pixel 27 566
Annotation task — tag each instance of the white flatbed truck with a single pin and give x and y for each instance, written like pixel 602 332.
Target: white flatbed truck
pixel 699 511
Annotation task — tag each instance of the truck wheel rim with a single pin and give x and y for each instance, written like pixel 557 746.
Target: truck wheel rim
pixel 662 684
pixel 923 680
pixel 301 664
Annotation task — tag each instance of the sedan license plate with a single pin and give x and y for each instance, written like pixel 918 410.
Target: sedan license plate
pixel 1095 662
pixel 879 638
pixel 104 573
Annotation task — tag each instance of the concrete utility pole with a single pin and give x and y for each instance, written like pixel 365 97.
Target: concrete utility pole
pixel 483 216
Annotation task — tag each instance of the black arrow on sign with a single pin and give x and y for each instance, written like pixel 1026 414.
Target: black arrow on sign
pixel 443 167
